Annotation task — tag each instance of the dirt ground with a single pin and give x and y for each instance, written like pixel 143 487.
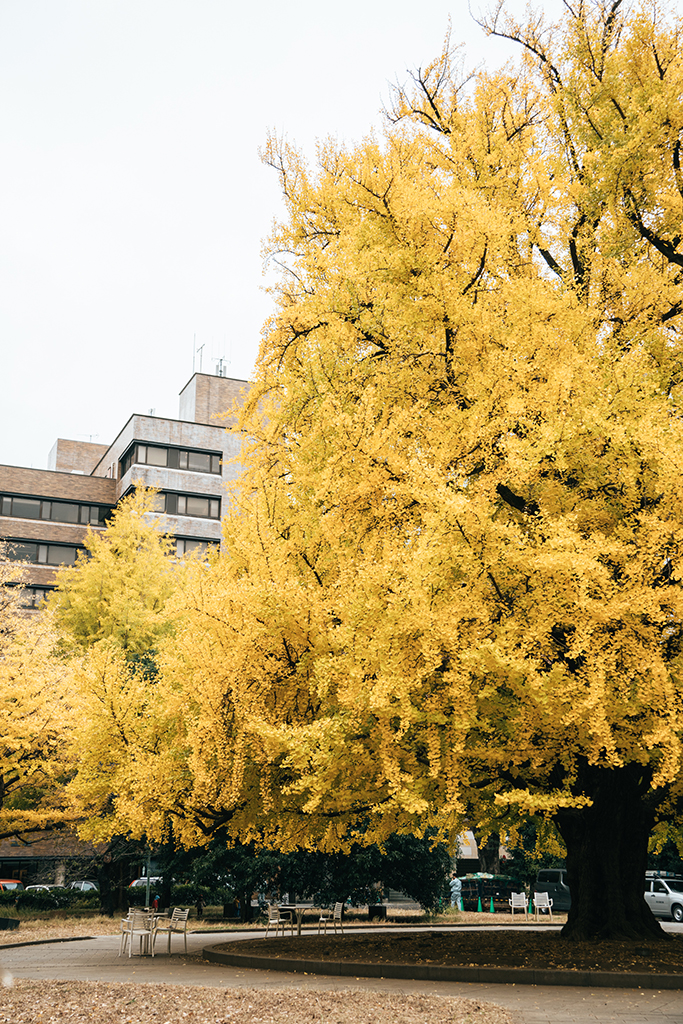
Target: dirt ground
pixel 539 950
pixel 61 1002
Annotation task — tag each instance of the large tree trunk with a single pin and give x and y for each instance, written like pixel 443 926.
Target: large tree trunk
pixel 489 853
pixel 607 857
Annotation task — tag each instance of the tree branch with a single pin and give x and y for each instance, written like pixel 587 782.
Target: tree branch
pixel 660 244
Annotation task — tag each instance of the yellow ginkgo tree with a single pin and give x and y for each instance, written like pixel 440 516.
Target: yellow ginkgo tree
pixel 111 609
pixel 451 586
pixel 450 589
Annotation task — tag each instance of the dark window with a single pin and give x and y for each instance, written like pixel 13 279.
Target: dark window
pixel 33 597
pixel 42 554
pixel 56 511
pixel 127 461
pixel 172 458
pixel 63 512
pixel 200 462
pixel 188 545
pixel 199 506
pixel 25 508
pixel 20 551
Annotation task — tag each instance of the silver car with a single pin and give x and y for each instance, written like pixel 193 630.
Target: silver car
pixel 664 896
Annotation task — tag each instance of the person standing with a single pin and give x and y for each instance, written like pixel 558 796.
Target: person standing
pixel 456 890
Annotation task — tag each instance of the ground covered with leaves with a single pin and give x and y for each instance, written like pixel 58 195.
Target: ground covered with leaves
pixel 66 927
pixel 504 948
pixel 61 1002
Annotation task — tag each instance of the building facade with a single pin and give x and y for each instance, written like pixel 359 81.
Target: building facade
pixel 45 514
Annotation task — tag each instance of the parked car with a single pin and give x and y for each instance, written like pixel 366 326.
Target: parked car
pixel 664 894
pixel 554 882
pixel 84 885
pixel 7 884
pixel 154 880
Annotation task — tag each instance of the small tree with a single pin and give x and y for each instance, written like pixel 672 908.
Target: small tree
pixel 35 706
pixel 112 609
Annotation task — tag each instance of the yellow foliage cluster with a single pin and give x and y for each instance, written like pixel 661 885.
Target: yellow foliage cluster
pixel 450 589
pixel 452 577
pixel 35 700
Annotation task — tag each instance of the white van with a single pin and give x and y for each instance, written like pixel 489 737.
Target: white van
pixel 664 895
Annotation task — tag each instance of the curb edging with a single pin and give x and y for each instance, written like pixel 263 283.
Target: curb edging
pixel 44 942
pixel 429 972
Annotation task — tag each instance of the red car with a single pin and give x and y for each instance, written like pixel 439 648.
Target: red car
pixel 11 883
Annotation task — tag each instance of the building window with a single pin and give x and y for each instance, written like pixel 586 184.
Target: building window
pixel 199 506
pixel 188 545
pixel 55 511
pixel 42 554
pixel 33 597
pixel 171 458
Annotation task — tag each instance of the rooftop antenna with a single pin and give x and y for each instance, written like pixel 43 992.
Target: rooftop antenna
pixel 194 350
pixel 89 436
pixel 201 355
pixel 221 362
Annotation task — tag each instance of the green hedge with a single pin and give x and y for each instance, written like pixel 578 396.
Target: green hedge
pixel 181 895
pixel 49 899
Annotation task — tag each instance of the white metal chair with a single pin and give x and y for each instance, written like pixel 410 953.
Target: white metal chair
pixel 518 901
pixel 542 902
pixel 176 923
pixel 137 923
pixel 279 918
pixel 333 917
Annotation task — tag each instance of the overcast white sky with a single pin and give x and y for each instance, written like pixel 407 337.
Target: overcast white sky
pixel 132 199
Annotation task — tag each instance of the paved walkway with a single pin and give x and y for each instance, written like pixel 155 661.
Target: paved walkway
pixel 97 960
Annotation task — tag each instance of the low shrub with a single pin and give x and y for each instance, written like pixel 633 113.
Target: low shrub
pixel 57 899
pixel 137 896
pixel 44 899
pixel 190 894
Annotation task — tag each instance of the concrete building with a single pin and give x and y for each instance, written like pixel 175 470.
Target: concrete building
pixel 45 513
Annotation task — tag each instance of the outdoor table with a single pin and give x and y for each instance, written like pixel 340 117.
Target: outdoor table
pixel 298 910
